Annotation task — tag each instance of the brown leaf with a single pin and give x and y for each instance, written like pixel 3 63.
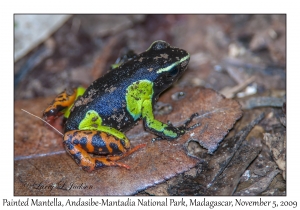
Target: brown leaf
pixel 32 137
pixel 42 168
pixel 217 114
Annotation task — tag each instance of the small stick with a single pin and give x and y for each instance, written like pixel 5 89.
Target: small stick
pixel 43 121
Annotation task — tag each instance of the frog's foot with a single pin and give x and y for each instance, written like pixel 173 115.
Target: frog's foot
pixel 181 130
pixel 100 162
pixel 129 152
pixel 110 160
pixel 189 120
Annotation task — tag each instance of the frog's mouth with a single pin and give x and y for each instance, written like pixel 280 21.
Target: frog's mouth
pixel 53 113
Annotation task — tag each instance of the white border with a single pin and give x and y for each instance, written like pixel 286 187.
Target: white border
pixel 153 6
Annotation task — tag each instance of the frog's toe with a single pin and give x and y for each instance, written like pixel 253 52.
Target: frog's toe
pixel 104 162
pixel 193 126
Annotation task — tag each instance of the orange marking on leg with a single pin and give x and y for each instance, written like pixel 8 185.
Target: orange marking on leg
pixel 114 140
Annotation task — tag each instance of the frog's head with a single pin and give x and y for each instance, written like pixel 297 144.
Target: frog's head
pixel 168 63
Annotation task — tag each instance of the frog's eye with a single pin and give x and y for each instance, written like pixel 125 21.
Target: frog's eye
pixel 173 71
pixel 53 112
pixel 50 112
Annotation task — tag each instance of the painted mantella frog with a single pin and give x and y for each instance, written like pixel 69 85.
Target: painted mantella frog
pixel 115 102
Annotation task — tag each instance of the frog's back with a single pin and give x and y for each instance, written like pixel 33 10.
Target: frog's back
pixel 107 95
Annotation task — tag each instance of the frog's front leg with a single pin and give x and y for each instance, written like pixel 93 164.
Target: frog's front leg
pixel 79 143
pixel 164 131
pixel 139 104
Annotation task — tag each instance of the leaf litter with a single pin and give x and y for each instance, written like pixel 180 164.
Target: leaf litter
pixel 47 165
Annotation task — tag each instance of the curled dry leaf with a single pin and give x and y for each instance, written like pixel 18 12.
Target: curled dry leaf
pixel 48 170
pixel 263 102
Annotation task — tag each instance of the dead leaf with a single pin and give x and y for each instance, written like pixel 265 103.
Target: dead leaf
pixel 32 136
pixel 226 182
pixel 217 114
pixel 47 170
pixel 264 164
pixel 255 102
pixel 213 168
pixel 260 186
pixel 277 145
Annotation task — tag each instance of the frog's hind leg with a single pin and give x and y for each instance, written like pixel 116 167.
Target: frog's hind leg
pixel 79 143
pixel 88 163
